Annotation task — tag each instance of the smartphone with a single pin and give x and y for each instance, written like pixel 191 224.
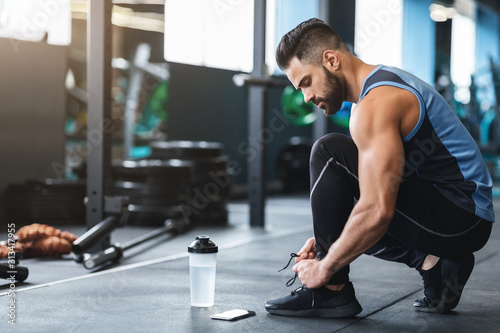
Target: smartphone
pixel 233 315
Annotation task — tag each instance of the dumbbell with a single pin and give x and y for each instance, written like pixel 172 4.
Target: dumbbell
pixel 13 272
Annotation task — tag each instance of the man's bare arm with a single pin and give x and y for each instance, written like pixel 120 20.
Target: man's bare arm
pixel 376 130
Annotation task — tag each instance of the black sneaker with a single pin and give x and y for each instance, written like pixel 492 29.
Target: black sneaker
pixel 433 286
pixel 454 275
pixel 320 302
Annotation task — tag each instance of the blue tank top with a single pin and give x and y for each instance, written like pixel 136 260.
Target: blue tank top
pixel 439 149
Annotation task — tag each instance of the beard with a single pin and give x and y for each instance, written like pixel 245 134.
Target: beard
pixel 335 92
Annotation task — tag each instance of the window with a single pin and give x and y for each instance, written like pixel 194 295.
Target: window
pixel 216 33
pixel 35 20
pixel 463 60
pixel 378 31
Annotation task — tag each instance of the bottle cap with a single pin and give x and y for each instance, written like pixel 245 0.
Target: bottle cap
pixel 203 244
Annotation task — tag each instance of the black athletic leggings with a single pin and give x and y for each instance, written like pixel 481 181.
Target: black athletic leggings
pixel 425 222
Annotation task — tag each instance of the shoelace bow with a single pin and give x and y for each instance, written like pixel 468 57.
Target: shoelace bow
pixel 292 280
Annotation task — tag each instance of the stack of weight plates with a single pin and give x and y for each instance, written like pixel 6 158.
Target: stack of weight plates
pixel 293 165
pixel 210 179
pixel 157 190
pixel 48 201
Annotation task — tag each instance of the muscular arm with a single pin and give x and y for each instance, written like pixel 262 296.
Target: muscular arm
pixel 376 133
pixel 376 128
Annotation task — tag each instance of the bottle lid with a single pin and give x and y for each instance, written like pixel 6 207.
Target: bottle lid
pixel 203 244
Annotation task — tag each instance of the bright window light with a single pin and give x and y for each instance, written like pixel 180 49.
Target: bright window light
pixel 35 20
pixel 462 62
pixel 215 34
pixel 379 31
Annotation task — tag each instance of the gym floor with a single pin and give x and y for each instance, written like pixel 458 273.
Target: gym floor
pixel 149 290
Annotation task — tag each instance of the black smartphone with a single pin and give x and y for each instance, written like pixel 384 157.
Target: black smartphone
pixel 233 315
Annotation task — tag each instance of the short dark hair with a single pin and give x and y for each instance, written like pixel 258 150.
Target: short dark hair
pixel 307 41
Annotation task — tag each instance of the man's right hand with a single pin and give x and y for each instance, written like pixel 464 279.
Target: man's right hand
pixel 308 251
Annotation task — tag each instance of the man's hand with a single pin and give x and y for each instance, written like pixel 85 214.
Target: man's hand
pixel 308 251
pixel 311 273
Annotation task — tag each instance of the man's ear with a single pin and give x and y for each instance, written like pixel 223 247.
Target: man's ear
pixel 331 59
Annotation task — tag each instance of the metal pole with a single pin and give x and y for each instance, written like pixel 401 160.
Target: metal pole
pixel 340 15
pixel 257 119
pixel 320 125
pixel 99 125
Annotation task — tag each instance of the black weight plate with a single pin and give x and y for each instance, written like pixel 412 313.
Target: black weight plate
pixel 140 188
pixel 160 201
pixel 207 165
pixel 40 200
pixel 293 165
pixel 169 168
pixel 185 149
pixel 45 207
pixel 142 194
pixel 221 178
pixel 163 180
pixel 197 199
pixel 210 163
pixel 62 184
pixel 48 187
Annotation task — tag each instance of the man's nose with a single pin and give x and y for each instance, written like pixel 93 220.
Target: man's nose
pixel 308 95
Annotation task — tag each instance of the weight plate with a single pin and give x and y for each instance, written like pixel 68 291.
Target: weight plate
pixel 44 200
pixel 159 201
pixel 295 109
pixel 158 188
pixel 185 149
pixel 61 184
pixel 153 167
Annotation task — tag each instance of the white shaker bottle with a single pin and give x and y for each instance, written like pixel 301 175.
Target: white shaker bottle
pixel 202 260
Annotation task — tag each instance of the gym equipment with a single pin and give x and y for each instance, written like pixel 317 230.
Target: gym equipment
pixel 300 113
pixel 480 115
pixel 156 188
pixel 118 214
pixel 46 200
pixel 93 235
pixel 241 80
pixel 113 254
pixel 489 127
pixel 343 116
pixel 293 164
pixel 185 149
pixel 257 84
pixel 295 109
pixel 37 240
pixel 155 111
pixel 7 271
pixel 210 180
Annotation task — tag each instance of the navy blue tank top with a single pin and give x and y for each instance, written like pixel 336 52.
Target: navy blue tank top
pixel 439 149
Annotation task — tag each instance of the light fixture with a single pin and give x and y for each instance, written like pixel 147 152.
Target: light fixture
pixel 440 13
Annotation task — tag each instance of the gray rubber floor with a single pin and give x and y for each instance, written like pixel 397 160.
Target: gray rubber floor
pixel 149 290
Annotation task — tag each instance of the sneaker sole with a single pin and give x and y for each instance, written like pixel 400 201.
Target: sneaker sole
pixel 420 306
pixel 344 311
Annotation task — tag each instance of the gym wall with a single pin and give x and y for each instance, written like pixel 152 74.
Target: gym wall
pixel 32 111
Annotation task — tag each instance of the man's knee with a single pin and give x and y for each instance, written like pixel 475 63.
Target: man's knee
pixel 333 144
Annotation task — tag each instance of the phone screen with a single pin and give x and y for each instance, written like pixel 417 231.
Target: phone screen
pixel 233 314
